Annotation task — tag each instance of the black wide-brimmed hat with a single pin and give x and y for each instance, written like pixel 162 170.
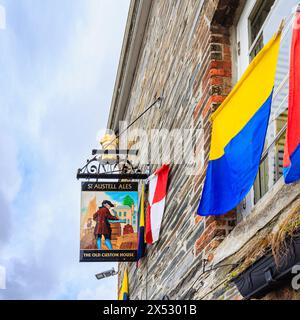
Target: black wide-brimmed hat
pixel 107 202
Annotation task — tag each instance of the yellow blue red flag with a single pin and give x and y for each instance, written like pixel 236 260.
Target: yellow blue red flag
pixel 124 292
pixel 239 129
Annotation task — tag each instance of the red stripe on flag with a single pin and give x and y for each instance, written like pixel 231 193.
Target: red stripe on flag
pixel 293 127
pixel 162 183
pixel 149 238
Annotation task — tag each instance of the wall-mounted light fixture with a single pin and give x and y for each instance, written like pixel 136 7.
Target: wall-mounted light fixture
pixel 106 274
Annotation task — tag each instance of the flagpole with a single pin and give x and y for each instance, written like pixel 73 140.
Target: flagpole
pixel 159 99
pixel 147 189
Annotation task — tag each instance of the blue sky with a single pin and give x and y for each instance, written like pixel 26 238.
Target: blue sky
pixel 119 196
pixel 58 64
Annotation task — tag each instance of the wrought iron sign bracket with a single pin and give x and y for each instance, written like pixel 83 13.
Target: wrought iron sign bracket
pixel 115 168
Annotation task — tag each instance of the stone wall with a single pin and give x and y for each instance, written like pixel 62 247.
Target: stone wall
pixel 186 58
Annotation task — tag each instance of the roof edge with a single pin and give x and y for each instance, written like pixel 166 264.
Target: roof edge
pixel 132 42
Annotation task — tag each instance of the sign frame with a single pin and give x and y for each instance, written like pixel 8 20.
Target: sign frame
pixel 123 232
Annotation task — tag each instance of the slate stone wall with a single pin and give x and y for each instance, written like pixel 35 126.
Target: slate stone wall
pixel 187 58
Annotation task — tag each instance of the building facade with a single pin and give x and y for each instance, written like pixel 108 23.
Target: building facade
pixel 191 53
pixel 126 213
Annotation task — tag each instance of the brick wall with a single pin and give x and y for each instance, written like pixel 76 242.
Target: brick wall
pixel 187 58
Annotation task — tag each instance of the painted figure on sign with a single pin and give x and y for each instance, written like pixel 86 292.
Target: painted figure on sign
pixel 103 218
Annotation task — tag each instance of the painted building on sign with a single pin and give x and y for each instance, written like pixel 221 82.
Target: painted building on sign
pixel 128 213
pixel 192 53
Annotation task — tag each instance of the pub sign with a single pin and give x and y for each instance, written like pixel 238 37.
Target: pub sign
pixel 108 221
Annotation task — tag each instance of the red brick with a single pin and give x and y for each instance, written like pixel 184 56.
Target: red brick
pixel 198 219
pixel 217 99
pixel 227 49
pixel 217 81
pixel 210 257
pixel 227 65
pixel 217 72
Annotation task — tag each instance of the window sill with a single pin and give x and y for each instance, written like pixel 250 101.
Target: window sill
pixel 274 203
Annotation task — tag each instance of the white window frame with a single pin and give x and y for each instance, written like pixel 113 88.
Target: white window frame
pixel 243 59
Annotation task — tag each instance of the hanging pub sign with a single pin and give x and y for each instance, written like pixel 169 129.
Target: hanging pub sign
pixel 108 221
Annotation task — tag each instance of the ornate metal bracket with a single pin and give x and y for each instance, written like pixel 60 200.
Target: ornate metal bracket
pixel 116 168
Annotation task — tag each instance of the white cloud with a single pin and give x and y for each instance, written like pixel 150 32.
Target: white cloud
pixel 2 17
pixel 11 179
pixel 51 110
pixel 102 292
pixel 5 218
pixel 2 277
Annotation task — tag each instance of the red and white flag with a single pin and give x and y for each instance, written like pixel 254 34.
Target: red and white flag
pixel 156 203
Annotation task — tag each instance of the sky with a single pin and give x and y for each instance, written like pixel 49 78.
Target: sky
pixel 58 64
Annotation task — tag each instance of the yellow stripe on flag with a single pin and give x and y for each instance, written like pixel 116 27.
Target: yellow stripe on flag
pixel 142 214
pixel 249 94
pixel 124 289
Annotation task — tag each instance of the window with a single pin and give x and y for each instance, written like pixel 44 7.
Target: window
pixel 256 21
pixel 259 21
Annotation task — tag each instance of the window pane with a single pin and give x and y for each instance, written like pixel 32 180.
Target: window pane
pixel 259 16
pixel 279 146
pixel 257 19
pixel 272 164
